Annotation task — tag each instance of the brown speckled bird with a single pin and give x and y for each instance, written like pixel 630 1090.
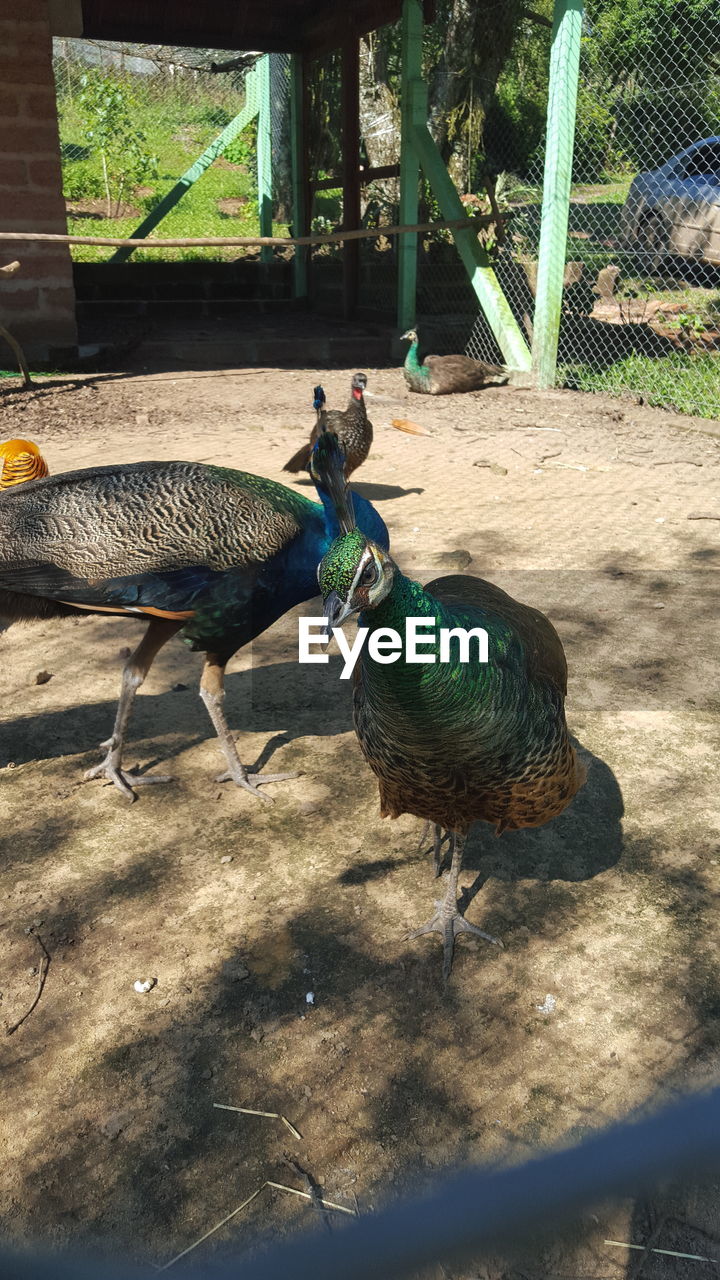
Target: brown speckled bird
pixel 451 740
pixel 351 426
pixel 20 461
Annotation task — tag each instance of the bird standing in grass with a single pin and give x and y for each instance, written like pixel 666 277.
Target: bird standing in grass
pixel 455 741
pixel 20 460
pixel 215 553
pixel 444 375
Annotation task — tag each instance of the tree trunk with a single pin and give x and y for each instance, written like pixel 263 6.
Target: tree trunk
pixel 478 40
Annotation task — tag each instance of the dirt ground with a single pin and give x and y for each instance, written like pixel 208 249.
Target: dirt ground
pixel 110 1141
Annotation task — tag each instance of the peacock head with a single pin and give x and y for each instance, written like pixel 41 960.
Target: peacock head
pixel 409 336
pixel 354 575
pixel 318 398
pixel 358 384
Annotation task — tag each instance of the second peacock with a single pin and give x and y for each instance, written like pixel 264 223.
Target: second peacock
pixel 457 741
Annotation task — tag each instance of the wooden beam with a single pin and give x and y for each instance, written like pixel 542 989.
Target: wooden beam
pixel 562 102
pixel 378 172
pixel 332 24
pixel 413 114
pixel 351 171
pixel 334 182
pixel 298 156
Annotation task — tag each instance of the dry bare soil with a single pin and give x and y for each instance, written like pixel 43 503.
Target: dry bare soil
pixel 110 1141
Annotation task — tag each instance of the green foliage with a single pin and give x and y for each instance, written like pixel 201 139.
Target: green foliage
pixel 593 132
pixel 243 150
pixel 109 108
pixel 81 182
pixel 685 383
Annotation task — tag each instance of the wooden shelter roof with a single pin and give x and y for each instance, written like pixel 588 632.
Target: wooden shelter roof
pixel 268 26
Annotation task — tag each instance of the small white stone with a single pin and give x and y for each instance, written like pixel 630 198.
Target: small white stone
pixel 226 858
pixel 142 988
pixel 547 1006
pixel 310 997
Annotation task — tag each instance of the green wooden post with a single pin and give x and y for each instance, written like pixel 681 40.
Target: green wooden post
pixel 562 106
pixel 196 170
pixel 264 155
pixel 299 183
pixel 508 335
pixel 413 111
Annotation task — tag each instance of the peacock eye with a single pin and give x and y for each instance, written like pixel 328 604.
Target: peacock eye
pixel 368 575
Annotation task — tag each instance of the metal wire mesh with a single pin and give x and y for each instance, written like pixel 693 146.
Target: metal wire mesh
pixel 642 279
pixel 641 298
pixel 134 118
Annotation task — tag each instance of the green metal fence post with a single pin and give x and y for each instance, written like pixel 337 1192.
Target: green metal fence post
pixel 196 170
pixel 264 154
pixel 485 283
pixel 299 183
pixel 413 101
pixel 562 106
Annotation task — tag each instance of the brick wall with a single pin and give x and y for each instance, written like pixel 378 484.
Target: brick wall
pixel 37 304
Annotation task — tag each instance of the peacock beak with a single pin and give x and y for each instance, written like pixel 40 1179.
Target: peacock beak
pixel 336 611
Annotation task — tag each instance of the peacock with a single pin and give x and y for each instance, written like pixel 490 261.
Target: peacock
pixel 454 741
pixel 352 427
pixel 215 553
pixel 20 461
pixel 443 375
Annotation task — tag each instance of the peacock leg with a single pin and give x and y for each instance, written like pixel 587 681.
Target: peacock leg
pixel 212 692
pixel 439 838
pixel 134 672
pixel 448 921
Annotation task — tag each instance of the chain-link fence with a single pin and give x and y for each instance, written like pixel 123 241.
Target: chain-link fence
pixel 135 118
pixel 641 298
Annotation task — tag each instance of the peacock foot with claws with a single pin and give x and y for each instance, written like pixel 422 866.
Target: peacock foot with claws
pixel 448 922
pixel 253 781
pixel 124 779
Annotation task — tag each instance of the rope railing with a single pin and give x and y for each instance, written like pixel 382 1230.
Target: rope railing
pixel 249 242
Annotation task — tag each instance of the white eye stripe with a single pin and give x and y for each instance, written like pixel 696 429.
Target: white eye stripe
pixel 365 559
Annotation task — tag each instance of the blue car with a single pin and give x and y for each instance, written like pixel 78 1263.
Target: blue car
pixel 676 209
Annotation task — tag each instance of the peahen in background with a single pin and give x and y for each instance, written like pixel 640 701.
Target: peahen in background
pixel 352 427
pixel 20 461
pixel 215 553
pixel 455 741
pixel 444 375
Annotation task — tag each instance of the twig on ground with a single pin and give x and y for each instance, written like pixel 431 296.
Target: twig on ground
pixel 212 1230
pixel 699 515
pixel 269 1115
pixel 277 1186
pixel 44 966
pixel 312 1189
pixel 326 1204
pixel 671 1253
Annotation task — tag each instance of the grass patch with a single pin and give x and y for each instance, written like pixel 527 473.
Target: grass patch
pixel 685 383
pixel 177 129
